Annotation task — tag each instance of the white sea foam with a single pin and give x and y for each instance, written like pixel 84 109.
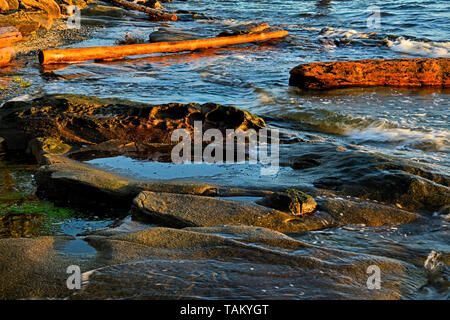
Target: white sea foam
pixel 330 32
pixel 435 140
pixel 433 262
pixel 422 48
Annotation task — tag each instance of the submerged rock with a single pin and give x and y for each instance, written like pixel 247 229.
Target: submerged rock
pixel 78 119
pixel 417 72
pixel 245 29
pixel 171 34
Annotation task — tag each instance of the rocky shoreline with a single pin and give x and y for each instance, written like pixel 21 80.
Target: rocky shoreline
pixel 195 239
pixel 397 193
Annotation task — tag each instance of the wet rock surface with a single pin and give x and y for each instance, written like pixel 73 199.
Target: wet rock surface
pixel 410 185
pixel 211 266
pixel 365 73
pixel 294 201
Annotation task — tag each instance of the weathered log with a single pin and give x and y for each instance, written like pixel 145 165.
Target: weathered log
pixel 6 55
pixel 8 35
pixel 116 52
pixel 154 13
pixel 419 72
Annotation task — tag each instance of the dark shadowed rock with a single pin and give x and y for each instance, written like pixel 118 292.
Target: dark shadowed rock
pixel 170 34
pixel 306 161
pixel 77 119
pixel 411 185
pixel 2 145
pixel 417 72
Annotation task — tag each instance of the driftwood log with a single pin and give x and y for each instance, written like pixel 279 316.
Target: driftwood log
pixel 154 14
pixel 117 52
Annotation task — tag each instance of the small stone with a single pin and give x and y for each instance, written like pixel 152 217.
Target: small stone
pixel 293 201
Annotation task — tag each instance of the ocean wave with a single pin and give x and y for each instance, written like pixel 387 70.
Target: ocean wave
pixel 422 48
pixel 366 130
pixel 330 32
pixel 433 140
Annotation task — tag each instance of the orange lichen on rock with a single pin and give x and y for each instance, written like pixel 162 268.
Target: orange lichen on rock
pixel 419 72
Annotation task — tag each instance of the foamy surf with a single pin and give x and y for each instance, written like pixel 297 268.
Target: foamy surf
pixel 421 48
pixel 403 137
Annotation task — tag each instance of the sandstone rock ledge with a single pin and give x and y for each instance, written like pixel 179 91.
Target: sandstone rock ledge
pixel 419 72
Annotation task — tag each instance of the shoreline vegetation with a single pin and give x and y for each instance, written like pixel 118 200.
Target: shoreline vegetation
pixel 190 239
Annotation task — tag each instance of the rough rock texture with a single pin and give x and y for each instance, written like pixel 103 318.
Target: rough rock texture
pixel 4 6
pixel 292 200
pixel 105 11
pixel 21 21
pixel 83 119
pixel 345 212
pixel 374 72
pixel 41 146
pixel 7 5
pixel 49 6
pixel 30 268
pixel 217 263
pixel 180 210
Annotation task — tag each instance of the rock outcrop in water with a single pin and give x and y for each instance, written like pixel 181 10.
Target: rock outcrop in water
pixel 418 72
pixel 78 119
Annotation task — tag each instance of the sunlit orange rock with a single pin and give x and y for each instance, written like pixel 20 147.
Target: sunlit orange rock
pixel 8 35
pixel 418 72
pixel 6 55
